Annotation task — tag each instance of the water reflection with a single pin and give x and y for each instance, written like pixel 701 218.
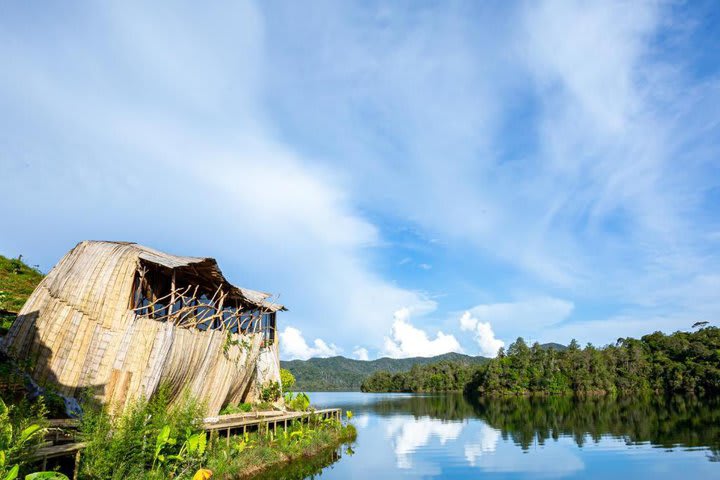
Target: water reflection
pixel 407 434
pixel 663 422
pixel 449 436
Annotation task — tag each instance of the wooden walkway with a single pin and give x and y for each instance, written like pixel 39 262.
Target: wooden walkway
pixel 230 425
pixel 241 423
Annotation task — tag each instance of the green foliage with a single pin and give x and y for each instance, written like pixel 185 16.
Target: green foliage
pixel 684 362
pixel 17 282
pixel 679 363
pixel 270 392
pixel 150 438
pixel 442 376
pixel 22 429
pixel 265 450
pixel 300 402
pixel 46 476
pixel 287 380
pixel 345 374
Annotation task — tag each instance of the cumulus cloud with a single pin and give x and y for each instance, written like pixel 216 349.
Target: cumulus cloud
pixel 482 333
pixel 361 353
pixel 409 341
pixel 294 346
pixel 528 317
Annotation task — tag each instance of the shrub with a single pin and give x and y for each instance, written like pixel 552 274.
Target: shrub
pixel 300 402
pixel 149 439
pixel 270 392
pixel 287 379
pixel 22 429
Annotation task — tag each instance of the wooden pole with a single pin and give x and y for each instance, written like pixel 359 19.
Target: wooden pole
pixel 172 294
pixel 77 465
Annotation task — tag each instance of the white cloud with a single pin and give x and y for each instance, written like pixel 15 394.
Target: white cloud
pixel 612 158
pixel 425 266
pixel 361 353
pixel 409 341
pixel 294 346
pixel 279 219
pixel 482 333
pixel 528 317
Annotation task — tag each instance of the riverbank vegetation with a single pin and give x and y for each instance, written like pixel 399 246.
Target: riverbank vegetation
pixel 683 362
pixel 153 440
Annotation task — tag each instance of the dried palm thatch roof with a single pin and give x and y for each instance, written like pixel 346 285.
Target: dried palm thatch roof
pixel 122 318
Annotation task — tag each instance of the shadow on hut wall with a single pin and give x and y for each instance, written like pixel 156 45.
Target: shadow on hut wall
pixel 29 374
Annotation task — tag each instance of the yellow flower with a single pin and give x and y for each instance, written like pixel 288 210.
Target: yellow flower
pixel 203 474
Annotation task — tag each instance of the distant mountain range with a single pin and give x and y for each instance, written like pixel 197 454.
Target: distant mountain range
pixel 346 374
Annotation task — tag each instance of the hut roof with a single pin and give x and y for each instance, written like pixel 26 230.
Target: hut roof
pixel 204 269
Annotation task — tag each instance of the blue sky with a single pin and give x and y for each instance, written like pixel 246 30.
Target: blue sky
pixel 409 178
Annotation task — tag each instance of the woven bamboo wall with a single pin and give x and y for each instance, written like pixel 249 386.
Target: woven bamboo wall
pixel 77 331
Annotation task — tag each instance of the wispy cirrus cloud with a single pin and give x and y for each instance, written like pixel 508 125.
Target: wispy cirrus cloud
pixel 550 150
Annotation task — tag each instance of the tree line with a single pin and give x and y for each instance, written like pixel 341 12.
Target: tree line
pixel 444 376
pixel 683 362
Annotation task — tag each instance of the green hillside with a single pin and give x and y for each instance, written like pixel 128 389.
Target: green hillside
pixel 17 282
pixel 345 374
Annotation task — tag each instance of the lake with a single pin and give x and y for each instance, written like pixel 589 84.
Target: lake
pixel 447 436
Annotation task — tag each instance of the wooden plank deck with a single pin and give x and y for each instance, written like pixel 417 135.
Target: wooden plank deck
pixel 237 421
pixel 229 424
pixel 54 451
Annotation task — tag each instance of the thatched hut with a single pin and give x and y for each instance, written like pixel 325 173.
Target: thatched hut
pixel 122 319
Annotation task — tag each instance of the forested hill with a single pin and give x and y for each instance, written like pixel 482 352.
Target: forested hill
pixel 680 363
pixel 346 374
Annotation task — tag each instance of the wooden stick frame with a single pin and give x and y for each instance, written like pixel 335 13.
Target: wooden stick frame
pixel 189 316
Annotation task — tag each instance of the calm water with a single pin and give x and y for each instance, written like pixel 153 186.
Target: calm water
pixel 446 436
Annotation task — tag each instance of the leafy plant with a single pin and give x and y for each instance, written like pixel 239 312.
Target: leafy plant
pixel 300 402
pixel 18 438
pixel 287 379
pixel 150 436
pixel 270 391
pixel 46 476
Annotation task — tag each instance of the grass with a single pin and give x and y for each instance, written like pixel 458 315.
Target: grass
pixel 17 282
pixel 152 441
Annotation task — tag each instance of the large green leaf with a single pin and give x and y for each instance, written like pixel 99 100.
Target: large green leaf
pixel 26 434
pixel 46 476
pixel 197 443
pixel 13 473
pixel 162 439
